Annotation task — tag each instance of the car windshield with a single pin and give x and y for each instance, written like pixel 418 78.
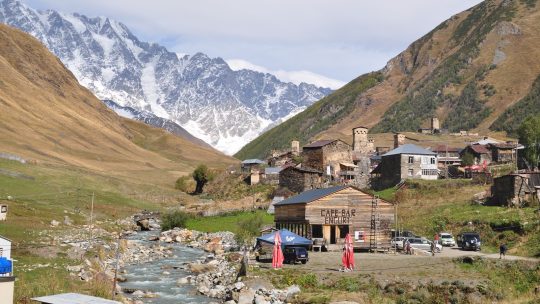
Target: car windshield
pixel 446 236
pixel 471 237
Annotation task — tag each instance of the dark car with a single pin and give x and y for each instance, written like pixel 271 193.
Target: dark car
pixel 469 241
pixel 295 254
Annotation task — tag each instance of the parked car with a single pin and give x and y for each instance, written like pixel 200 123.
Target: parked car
pixel 447 239
pixel 422 243
pixel 397 242
pixel 469 241
pixel 295 254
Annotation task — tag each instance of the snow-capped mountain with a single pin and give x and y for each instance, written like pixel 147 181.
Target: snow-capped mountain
pixel 223 107
pixel 154 120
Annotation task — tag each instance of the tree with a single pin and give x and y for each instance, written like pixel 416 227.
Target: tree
pixel 185 184
pixel 467 159
pixel 529 136
pixel 202 175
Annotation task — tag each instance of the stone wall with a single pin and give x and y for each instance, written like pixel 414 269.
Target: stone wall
pixel 298 180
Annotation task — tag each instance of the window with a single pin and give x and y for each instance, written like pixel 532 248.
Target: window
pixel 316 231
pixel 410 173
pixel 4 209
pixel 411 159
pixel 433 160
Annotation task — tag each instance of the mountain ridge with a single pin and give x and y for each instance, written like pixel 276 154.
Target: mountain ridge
pixel 47 116
pixel 225 108
pixel 467 71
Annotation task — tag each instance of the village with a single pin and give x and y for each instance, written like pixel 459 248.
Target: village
pixel 329 208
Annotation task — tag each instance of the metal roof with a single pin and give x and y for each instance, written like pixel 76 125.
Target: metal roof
pixel 272 170
pixel 486 141
pixel 253 161
pixel 310 195
pixel 409 149
pixel 479 149
pixel 73 298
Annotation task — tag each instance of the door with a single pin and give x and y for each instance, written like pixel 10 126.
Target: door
pixel 332 234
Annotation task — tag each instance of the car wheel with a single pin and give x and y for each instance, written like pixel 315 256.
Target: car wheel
pixel 304 261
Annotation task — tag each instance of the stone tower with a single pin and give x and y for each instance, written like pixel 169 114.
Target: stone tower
pixel 361 142
pixel 295 147
pixel 435 126
pixel 399 139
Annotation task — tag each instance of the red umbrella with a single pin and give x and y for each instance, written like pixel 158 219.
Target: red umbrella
pixel 348 253
pixel 277 254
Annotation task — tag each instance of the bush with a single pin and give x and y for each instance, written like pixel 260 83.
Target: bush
pixel 185 184
pixel 174 219
pixel 248 228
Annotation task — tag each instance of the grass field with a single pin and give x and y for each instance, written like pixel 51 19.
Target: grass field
pixel 226 222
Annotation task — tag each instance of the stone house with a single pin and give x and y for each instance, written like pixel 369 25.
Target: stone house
pixel 326 156
pixel 514 189
pixel 480 153
pixel 300 179
pixel 406 162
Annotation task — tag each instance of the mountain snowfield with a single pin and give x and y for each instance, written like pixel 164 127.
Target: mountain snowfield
pixel 223 107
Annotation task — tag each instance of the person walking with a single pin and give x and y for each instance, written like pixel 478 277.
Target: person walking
pixel 433 248
pixel 502 250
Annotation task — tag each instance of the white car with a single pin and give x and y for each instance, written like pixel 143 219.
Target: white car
pixel 397 242
pixel 422 243
pixel 447 239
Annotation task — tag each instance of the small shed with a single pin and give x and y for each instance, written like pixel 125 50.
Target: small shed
pixel 73 298
pixel 249 164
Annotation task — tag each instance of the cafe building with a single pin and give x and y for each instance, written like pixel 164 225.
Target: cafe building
pixel 329 214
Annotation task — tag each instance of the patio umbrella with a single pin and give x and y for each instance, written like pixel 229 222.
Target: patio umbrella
pixel 348 253
pixel 277 254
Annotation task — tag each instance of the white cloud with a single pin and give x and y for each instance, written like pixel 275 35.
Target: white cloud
pixel 295 77
pixel 339 39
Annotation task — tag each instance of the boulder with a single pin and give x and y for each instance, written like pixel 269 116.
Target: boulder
pixel 183 281
pixel 292 291
pixel 67 221
pixel 246 296
pixel 138 293
pixel 144 224
pixel 259 299
pixel 55 223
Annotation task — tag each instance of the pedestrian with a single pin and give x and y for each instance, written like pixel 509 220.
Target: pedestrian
pixel 502 250
pixel 407 247
pixel 432 248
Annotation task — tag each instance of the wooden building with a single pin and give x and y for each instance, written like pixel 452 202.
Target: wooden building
pixel 301 179
pixel 331 213
pixel 502 153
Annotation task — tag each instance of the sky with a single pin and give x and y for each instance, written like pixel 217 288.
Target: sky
pixel 325 42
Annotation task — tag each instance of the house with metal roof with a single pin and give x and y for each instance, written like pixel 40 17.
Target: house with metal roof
pixel 299 179
pixel 406 162
pixel 72 298
pixel 327 215
pixel 480 153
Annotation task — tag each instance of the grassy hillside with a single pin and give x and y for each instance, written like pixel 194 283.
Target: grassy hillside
pixel 310 122
pixel 46 116
pixel 512 118
pixel 467 71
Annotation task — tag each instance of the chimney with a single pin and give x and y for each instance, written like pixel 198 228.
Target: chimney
pixel 399 139
pixel 295 147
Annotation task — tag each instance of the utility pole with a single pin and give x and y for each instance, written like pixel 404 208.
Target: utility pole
pixel 113 292
pixel 92 218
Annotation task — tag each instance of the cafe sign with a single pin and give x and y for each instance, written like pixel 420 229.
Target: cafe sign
pixel 337 216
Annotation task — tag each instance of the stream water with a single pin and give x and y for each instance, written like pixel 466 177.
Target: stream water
pixel 149 276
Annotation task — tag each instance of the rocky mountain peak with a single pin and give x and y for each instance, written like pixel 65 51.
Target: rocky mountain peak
pixel 223 107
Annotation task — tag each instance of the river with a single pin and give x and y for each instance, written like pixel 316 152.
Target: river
pixel 149 276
